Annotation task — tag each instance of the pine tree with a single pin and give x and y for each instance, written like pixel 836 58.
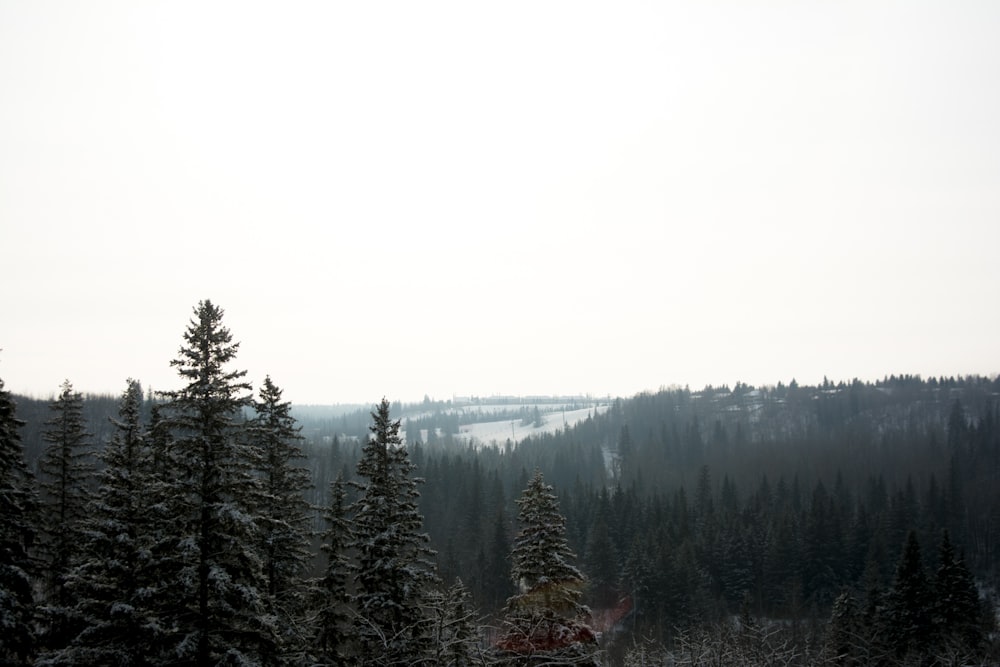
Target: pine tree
pixel 457 633
pixel 845 644
pixel 637 570
pixel 18 504
pixel 957 609
pixel 216 597
pixel 282 516
pixel 164 564
pixel 394 574
pixel 909 602
pixel 497 586
pixel 873 629
pixel 822 545
pixel 545 622
pixel 602 563
pixel 113 585
pixel 66 469
pixel 330 598
pixel 158 438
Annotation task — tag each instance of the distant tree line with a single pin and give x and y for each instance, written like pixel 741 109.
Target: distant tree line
pixel 844 523
pixel 186 538
pixel 775 503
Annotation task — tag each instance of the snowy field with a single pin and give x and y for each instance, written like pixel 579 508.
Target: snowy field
pixel 500 431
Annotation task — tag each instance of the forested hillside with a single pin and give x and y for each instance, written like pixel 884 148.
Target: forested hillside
pixel 850 522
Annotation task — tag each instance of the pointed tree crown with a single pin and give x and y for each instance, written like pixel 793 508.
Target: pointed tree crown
pixel 201 362
pixel 541 553
pixel 393 573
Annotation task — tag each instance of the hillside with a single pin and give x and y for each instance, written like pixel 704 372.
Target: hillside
pixel 693 505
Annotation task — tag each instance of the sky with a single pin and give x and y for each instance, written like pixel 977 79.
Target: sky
pixel 409 199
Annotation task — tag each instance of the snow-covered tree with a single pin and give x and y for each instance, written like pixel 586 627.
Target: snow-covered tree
pixel 457 634
pixel 164 565
pixel 282 516
pixel 845 638
pixel 545 623
pixel 113 586
pixel 215 597
pixel 394 574
pixel 330 598
pixel 66 469
pixel 18 504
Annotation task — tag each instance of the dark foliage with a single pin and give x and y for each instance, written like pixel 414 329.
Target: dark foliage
pixel 804 506
pixel 18 504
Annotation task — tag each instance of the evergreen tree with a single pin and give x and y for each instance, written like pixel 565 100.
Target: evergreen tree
pixel 822 545
pixel 497 586
pixel 332 618
pixel 703 495
pixel 66 469
pixel 18 504
pixel 158 439
pixel 637 570
pixel 165 566
pixel 957 610
pixel 909 602
pixel 113 585
pixel 394 574
pixel 602 563
pixel 457 633
pixel 216 596
pixel 282 516
pixel 874 634
pixel 845 644
pixel 545 622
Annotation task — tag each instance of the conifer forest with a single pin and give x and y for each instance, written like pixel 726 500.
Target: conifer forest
pixel 847 523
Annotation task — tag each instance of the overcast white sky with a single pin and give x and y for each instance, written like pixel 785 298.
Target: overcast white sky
pixel 407 198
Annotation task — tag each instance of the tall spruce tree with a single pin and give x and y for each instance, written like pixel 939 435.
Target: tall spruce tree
pixel 908 606
pixel 497 586
pixel 66 469
pixel 545 623
pixel 394 572
pixel 18 504
pixel 113 585
pixel 282 517
pixel 601 560
pixel 330 598
pixel 216 600
pixel 164 563
pixel 957 612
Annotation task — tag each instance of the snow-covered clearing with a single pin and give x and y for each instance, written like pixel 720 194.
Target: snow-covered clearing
pixel 514 430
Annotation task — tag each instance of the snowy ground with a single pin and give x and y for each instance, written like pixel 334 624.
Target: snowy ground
pixel 501 431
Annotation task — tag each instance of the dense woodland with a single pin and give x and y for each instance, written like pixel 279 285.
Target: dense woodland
pixel 848 523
